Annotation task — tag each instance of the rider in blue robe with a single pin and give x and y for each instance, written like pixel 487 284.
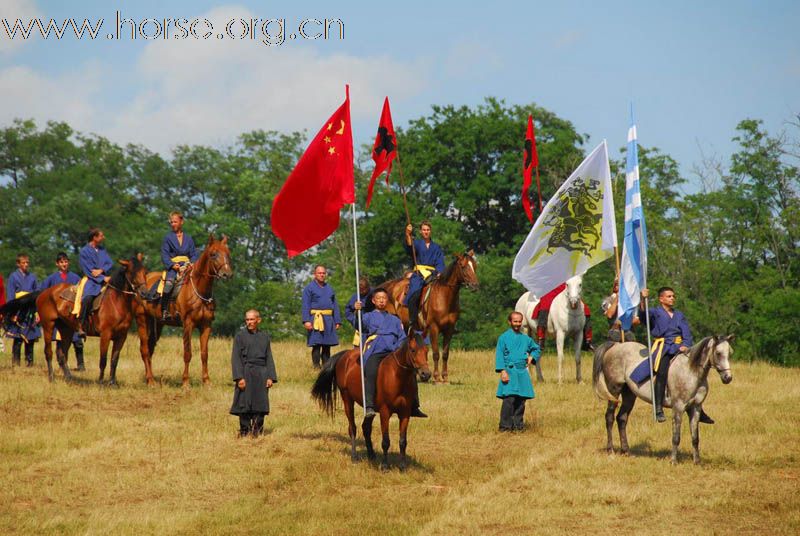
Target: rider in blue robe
pixel 63 275
pixel 177 250
pixel 514 352
pixel 429 264
pixel 93 257
pixel 24 327
pixel 321 317
pixel 350 312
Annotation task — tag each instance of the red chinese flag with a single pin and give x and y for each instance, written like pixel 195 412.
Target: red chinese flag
pixel 384 149
pixel 530 161
pixel 306 210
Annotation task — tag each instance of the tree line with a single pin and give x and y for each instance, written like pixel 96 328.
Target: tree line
pixel 729 250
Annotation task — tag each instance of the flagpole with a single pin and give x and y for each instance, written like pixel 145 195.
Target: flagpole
pixel 358 314
pixel 650 357
pixel 405 205
pixel 539 190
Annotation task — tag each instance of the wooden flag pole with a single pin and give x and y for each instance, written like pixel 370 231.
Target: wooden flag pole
pixel 405 205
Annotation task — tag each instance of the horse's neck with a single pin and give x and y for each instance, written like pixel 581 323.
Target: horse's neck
pixel 201 278
pixel 453 282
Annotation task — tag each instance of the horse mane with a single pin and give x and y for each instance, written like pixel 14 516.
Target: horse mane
pixel 118 279
pixel 696 352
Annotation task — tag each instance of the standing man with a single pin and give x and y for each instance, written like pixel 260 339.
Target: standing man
pixel 253 370
pixel 321 317
pixel 671 336
pixel 63 275
pixel 429 264
pixel 23 326
pixel 2 302
pixel 96 266
pixel 178 252
pixel 365 305
pixel 515 352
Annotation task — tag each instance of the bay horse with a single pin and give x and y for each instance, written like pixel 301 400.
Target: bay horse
pixel 194 308
pixel 687 384
pixel 110 322
pixel 396 387
pixel 442 309
pixel 565 321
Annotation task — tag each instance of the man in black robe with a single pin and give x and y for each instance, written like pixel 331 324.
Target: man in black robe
pixel 253 370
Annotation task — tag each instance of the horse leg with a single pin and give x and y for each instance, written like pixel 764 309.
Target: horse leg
pixel 144 350
pixel 385 437
pixel 62 349
pixel 48 351
pixel 434 335
pixel 677 420
pixel 403 440
pixel 447 335
pixel 187 350
pixel 628 400
pixel 694 425
pixel 560 351
pixel 115 350
pixel 578 344
pixel 205 333
pixel 104 342
pixel 366 428
pixel 612 406
pixel 347 402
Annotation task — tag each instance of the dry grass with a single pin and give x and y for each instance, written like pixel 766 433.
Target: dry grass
pixel 86 459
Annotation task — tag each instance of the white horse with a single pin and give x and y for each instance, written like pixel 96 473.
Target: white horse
pixel 566 319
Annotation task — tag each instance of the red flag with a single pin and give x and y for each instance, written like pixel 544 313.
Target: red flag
pixel 384 149
pixel 306 210
pixel 530 161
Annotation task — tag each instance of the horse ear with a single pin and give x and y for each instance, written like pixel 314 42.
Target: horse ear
pixel 124 262
pixel 224 239
pixel 140 256
pixel 471 252
pixel 730 337
pixel 210 238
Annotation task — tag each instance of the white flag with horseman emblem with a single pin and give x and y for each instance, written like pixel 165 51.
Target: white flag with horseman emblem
pixel 575 231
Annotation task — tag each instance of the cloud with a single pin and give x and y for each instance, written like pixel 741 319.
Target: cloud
pixel 12 10
pixel 195 91
pixel 471 59
pixel 568 39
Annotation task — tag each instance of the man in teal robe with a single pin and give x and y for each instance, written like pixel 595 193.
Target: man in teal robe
pixel 515 351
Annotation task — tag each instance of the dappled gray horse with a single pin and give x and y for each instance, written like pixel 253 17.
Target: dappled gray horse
pixel 687 385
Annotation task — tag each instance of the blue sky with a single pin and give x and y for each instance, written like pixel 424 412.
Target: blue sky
pixel 692 69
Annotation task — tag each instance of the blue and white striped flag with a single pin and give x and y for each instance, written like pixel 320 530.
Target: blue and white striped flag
pixel 633 267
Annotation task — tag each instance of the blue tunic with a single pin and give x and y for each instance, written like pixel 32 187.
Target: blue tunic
pixel 366 307
pixel 92 259
pixel 430 255
pixel 662 325
pixel 511 355
pixel 19 282
pixel 171 248
pixel 389 331
pixel 55 279
pixel 321 297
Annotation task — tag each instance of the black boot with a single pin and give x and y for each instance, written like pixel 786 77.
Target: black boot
pixel 79 358
pixel 704 418
pixel 164 308
pixel 16 350
pixel 29 354
pixel 660 389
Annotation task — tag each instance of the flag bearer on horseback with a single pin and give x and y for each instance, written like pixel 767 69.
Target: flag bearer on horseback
pixel 365 305
pixel 63 275
pixel 321 317
pixel 429 263
pixel 96 266
pixel 178 252
pixel 515 352
pixel 671 336
pixel 24 325
pixel 384 334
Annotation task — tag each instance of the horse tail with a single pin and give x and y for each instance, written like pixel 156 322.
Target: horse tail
pixel 598 378
pixel 324 389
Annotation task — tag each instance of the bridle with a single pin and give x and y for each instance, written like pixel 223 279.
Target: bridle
pixel 462 268
pixel 215 275
pixel 411 361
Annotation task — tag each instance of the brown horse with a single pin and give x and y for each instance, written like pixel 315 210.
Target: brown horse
pixel 193 308
pixel 442 309
pixel 396 391
pixel 110 322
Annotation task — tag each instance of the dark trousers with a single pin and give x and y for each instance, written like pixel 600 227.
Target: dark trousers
pixel 78 345
pixel 661 380
pixel 86 307
pixel 320 353
pixel 16 348
pixel 251 423
pixel 413 309
pixel 371 379
pixel 512 413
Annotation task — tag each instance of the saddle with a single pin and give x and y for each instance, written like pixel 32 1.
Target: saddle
pixel 68 295
pixel 156 291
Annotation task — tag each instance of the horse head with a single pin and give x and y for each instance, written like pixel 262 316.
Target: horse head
pixel 573 290
pixel 417 355
pixel 219 257
pixel 467 266
pixel 720 359
pixel 134 273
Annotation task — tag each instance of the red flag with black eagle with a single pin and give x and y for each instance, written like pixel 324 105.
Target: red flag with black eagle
pixel 384 150
pixel 530 161
pixel 306 210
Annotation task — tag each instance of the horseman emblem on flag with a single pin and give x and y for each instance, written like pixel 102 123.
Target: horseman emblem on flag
pixel 575 221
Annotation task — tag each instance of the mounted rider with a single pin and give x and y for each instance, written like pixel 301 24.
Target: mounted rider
pixel 542 312
pixel 178 253
pixel 96 265
pixel 429 263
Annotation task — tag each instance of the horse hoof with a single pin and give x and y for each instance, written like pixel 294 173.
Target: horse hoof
pixel 207 383
pixel 151 382
pixel 384 467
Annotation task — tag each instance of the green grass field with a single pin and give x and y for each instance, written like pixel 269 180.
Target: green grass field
pixel 88 459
